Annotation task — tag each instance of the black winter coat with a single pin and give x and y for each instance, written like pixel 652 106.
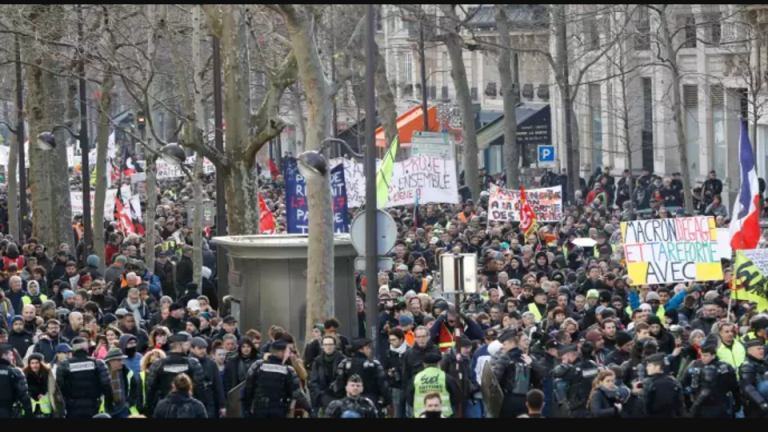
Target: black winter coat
pixel 601 405
pixel 180 405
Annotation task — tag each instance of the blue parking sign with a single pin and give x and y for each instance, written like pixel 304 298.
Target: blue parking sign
pixel 546 153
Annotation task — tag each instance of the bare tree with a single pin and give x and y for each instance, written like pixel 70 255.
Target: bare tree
pixel 509 93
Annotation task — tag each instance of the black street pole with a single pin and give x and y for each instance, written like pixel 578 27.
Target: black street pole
pixel 423 77
pixel 20 140
pixel 371 257
pixel 222 266
pixel 335 119
pixel 84 168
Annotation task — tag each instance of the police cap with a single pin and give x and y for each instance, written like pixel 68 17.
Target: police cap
pixel 5 348
pixel 566 349
pixel 432 358
pixel 360 343
pixel 279 345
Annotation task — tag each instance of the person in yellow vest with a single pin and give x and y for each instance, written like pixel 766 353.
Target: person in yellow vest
pixel 758 326
pixel 731 350
pixel 33 292
pixel 37 374
pixel 433 379
pixel 126 387
pixel 539 306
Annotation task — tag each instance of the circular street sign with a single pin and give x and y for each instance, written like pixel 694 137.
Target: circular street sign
pixel 386 233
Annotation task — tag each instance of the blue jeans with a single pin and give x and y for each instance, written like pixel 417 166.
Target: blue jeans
pixel 124 413
pixel 473 408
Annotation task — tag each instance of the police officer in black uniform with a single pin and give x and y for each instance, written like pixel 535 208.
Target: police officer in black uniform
pixel 354 402
pixel 13 386
pixel 272 387
pixel 162 373
pixel 578 377
pixel 662 395
pixel 752 372
pixel 375 385
pixel 711 381
pixel 513 373
pixel 83 381
pixel 214 389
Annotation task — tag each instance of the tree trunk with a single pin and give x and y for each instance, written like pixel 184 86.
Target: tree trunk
pixel 677 108
pixel 102 143
pixel 509 95
pixel 243 215
pixel 151 183
pixel 453 42
pixel 11 173
pixel 198 128
pixel 49 176
pixel 320 261
pixel 385 99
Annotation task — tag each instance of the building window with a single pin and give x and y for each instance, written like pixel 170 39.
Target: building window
pixel 528 91
pixel 691 105
pixel 490 89
pixel 647 132
pixel 444 92
pixel 408 62
pixel 473 91
pixel 596 114
pixel 643 28
pixel 432 92
pixel 380 20
pixel 592 35
pixel 689 22
pixel 715 29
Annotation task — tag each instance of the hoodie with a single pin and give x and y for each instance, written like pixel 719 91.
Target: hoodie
pixel 236 368
pixel 33 292
pixel 516 274
pixel 133 362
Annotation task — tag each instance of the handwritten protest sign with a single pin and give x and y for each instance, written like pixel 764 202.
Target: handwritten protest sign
pixel 671 250
pixel 354 177
pixel 504 204
pixel 165 170
pixel 76 198
pixel 297 208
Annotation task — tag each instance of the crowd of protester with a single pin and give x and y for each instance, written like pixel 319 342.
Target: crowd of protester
pixel 560 328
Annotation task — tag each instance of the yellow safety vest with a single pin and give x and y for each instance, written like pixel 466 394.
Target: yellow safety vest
pixel 532 308
pixel 44 403
pixel 431 379
pixel 27 299
pixel 596 250
pixel 133 410
pixel 734 356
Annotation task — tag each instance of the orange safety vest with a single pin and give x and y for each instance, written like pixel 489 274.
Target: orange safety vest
pixel 463 218
pixel 410 338
pixel 424 285
pixel 446 340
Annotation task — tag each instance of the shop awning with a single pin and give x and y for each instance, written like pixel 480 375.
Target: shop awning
pixel 410 121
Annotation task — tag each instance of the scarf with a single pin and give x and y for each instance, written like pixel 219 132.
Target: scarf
pixel 399 350
pixel 117 384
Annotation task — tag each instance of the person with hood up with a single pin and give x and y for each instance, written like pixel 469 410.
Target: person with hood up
pixel 33 292
pixel 128 326
pixel 236 368
pixel 323 370
pixel 129 347
pixel 664 339
pixel 515 269
pixel 214 387
pixel 209 289
pixel 541 264
pixel 191 293
pixel 180 403
pixel 92 267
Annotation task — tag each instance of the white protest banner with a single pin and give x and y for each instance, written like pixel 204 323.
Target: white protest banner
pixel 135 202
pixel 759 258
pixel 125 193
pixel 661 251
pixel 76 198
pixel 433 178
pixel 165 170
pixel 504 204
pixel 724 250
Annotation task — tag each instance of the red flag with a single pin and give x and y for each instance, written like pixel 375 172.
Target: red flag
pixel 267 223
pixel 273 170
pixel 527 216
pixel 124 217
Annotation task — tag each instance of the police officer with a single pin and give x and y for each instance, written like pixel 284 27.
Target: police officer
pixel 13 386
pixel 513 373
pixel 375 385
pixel 578 377
pixel 162 373
pixel 272 387
pixel 662 395
pixel 751 373
pixel 711 381
pixel 83 381
pixel 361 406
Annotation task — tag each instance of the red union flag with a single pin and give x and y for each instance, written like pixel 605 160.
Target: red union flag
pixel 527 216
pixel 267 223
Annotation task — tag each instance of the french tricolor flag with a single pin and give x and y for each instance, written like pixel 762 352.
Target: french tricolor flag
pixel 745 221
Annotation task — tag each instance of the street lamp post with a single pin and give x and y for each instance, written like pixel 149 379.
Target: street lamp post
pixel 83 135
pixel 371 259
